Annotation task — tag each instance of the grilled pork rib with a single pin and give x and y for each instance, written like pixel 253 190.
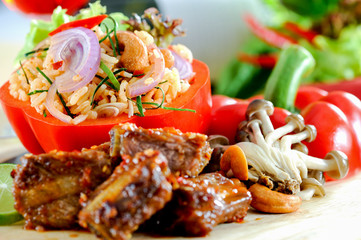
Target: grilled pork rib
pixel 47 187
pixel 187 153
pixel 199 204
pixel 137 189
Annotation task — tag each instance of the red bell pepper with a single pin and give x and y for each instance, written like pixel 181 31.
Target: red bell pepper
pixel 86 22
pixel 42 134
pixel 336 115
pixel 337 118
pixel 226 118
pixel 351 86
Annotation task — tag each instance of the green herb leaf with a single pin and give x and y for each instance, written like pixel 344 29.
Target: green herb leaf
pixel 36 91
pixel 59 95
pixel 26 76
pixel 44 75
pixel 140 106
pixel 111 76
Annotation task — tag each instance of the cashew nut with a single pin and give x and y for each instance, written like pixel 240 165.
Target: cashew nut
pixel 266 200
pixel 135 54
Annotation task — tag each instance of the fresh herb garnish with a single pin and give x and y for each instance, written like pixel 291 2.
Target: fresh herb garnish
pixel 35 51
pixel 105 80
pixel 115 35
pixel 139 75
pixel 111 76
pixel 44 75
pixel 26 76
pixel 36 91
pixel 140 106
pixel 59 95
pixel 107 33
pixel 44 113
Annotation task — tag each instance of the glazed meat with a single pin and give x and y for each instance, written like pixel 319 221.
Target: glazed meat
pixel 199 204
pixel 137 189
pixel 187 153
pixel 47 187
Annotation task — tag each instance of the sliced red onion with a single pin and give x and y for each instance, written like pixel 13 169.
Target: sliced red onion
pixel 184 67
pixel 79 50
pixel 49 104
pixel 152 78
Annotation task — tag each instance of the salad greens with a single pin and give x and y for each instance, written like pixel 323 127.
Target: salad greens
pixel 40 29
pixel 337 53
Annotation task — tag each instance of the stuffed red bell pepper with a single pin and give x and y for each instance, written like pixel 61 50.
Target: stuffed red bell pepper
pixel 79 82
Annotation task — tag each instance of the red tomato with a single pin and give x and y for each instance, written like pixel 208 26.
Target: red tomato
pixel 44 7
pixel 39 134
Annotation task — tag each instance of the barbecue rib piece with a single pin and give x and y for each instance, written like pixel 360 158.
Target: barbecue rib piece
pixel 187 153
pixel 138 188
pixel 199 204
pixel 47 187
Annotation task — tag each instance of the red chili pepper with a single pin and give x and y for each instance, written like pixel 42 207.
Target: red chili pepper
pixel 86 22
pixel 265 60
pixel 307 34
pixel 268 35
pixel 42 134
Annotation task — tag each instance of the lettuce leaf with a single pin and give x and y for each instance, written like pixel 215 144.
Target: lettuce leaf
pixel 39 29
pixel 336 59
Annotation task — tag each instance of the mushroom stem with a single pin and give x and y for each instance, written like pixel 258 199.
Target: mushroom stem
pixel 257 133
pixel 335 164
pixel 308 134
pixel 294 122
pixel 311 187
pixel 300 147
pixel 261 109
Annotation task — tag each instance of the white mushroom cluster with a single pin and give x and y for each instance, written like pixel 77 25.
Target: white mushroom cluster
pixel 278 159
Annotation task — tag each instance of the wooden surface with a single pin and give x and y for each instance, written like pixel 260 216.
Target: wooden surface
pixel 335 216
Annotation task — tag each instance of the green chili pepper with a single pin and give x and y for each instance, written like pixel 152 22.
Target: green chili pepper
pixel 294 63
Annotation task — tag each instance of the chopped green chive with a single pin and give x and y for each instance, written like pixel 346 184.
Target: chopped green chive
pixel 35 51
pixel 107 34
pixel 44 113
pixel 138 75
pixel 36 91
pixel 115 35
pixel 140 106
pixel 44 75
pixel 59 95
pixel 64 105
pixel 26 76
pixel 111 76
pixel 105 80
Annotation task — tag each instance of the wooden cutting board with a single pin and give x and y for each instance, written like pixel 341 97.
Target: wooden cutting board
pixel 335 216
